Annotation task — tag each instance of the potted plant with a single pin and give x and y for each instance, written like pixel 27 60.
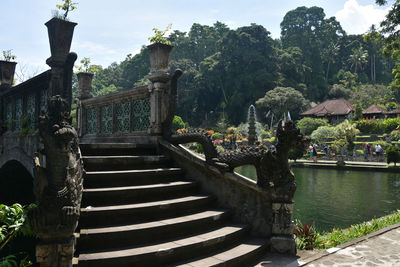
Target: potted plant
pixel 159 50
pixel 85 76
pixel 7 68
pixel 61 30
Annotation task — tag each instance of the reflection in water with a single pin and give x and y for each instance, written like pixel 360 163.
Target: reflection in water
pixel 339 198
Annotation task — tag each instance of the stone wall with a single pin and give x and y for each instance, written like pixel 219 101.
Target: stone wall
pixel 250 203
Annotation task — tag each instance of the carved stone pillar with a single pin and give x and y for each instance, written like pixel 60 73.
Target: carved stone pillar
pixel 158 88
pixel 283 240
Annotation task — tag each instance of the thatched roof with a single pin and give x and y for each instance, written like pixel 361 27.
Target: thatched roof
pixel 395 111
pixel 374 109
pixel 330 108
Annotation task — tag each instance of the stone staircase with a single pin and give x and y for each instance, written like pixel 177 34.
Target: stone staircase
pixel 138 209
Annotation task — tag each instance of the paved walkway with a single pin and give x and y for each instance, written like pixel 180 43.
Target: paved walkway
pixel 381 248
pixel 360 163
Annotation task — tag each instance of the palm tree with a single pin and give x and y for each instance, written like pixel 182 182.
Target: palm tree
pixel 358 58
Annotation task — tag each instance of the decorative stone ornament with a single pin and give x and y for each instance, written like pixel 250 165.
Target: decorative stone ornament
pixel 60 37
pixel 7 70
pixel 85 85
pixel 159 57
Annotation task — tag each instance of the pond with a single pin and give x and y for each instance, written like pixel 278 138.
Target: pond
pixel 340 198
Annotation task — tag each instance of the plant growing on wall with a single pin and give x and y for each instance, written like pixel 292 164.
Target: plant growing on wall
pixel 159 36
pixel 66 7
pixel 7 56
pixel 86 67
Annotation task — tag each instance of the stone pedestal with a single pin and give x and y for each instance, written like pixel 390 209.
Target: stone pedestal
pixel 85 85
pixel 283 240
pixel 55 254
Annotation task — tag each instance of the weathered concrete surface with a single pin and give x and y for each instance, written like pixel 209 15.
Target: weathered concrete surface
pixel 250 203
pixel 21 149
pixel 381 248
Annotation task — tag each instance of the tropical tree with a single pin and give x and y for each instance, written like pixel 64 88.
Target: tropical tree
pixel 358 58
pixel 283 99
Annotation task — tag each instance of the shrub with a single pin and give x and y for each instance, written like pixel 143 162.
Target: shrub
pixel 395 135
pixel 323 132
pixel 177 123
pixel 265 134
pixel 392 154
pixel 216 136
pixel 198 148
pixel 306 235
pixel 307 125
pixel 295 154
pixel 378 126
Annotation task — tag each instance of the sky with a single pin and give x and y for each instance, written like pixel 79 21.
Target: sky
pixel 109 30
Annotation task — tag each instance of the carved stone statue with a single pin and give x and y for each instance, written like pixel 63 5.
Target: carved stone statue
pixel 58 171
pixel 58 185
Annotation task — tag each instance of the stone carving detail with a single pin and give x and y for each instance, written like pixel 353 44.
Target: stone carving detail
pixel 58 171
pixel 272 166
pixel 58 184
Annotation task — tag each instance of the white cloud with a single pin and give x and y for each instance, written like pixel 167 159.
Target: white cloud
pixel 357 19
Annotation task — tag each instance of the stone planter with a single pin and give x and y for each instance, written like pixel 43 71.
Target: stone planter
pixel 60 37
pixel 159 57
pixel 7 70
pixel 85 85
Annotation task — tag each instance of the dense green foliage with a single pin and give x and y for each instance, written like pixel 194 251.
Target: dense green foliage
pixel 226 70
pixel 378 126
pixel 13 222
pixel 177 123
pixel 308 125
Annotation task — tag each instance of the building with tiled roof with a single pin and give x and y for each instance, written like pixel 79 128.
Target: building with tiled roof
pixel 334 110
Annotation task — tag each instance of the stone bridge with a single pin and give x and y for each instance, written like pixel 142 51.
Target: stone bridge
pixel 141 185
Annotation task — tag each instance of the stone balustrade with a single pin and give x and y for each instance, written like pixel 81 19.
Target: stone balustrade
pixel 118 114
pixel 23 104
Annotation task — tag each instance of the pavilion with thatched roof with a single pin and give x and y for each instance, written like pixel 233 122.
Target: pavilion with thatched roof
pixel 334 110
pixel 374 112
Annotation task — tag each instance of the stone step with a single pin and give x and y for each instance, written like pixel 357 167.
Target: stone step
pixel 166 252
pixel 145 233
pixel 131 177
pixel 141 212
pixel 131 194
pixel 118 149
pixel 104 163
pixel 241 254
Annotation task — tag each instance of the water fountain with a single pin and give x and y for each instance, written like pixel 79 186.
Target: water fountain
pixel 251 118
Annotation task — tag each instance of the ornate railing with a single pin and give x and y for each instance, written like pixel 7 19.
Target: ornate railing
pixel 122 113
pixel 24 103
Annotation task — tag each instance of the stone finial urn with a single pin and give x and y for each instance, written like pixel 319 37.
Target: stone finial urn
pixel 85 85
pixel 7 70
pixel 60 37
pixel 159 57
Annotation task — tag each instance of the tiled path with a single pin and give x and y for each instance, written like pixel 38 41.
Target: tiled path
pixel 381 248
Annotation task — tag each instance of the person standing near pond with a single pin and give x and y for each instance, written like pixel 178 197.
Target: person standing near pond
pixel 314 153
pixel 378 151
pixel 368 151
pixel 310 150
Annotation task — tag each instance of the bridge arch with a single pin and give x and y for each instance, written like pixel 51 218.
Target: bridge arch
pixel 16 184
